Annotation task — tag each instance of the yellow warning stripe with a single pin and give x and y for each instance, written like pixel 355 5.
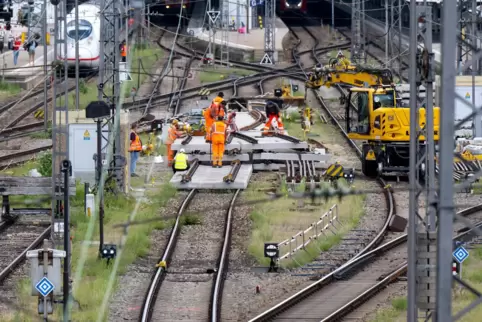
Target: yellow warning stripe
pixel 334 170
pixel 204 91
pixel 39 114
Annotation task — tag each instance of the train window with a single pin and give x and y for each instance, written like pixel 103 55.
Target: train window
pixel 85 29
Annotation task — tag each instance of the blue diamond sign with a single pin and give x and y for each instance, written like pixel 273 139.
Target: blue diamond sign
pixel 44 286
pixel 460 254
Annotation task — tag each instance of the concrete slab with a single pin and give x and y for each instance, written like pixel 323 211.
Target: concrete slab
pixel 207 157
pixel 264 143
pixel 252 41
pixel 291 156
pixel 207 177
pixel 244 119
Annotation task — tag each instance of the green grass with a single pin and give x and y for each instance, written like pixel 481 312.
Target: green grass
pixel 209 74
pixel 91 290
pixel 279 220
pixel 460 298
pixel 88 92
pixel 8 89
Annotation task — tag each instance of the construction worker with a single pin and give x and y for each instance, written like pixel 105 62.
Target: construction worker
pixel 273 111
pixel 208 123
pixel 219 98
pixel 172 134
pixel 231 123
pixel 218 109
pixel 135 149
pixel 181 162
pixel 123 51
pixel 218 137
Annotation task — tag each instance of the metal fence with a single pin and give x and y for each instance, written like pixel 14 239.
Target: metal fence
pixel 301 239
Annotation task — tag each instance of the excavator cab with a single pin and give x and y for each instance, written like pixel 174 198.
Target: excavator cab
pixel 366 102
pixel 373 116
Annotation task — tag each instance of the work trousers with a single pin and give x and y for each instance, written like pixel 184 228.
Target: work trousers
pixel 134 158
pixel 218 152
pixel 170 155
pixel 268 124
pixel 15 57
pixel 209 124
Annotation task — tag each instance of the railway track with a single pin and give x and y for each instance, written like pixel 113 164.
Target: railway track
pixel 197 281
pixel 301 305
pixel 15 240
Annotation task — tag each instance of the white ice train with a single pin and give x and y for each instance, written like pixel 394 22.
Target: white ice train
pixel 89 37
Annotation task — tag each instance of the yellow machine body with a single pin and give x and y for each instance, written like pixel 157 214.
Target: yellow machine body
pixel 389 124
pixel 385 128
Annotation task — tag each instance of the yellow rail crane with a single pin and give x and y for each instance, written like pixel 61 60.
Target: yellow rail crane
pixel 372 116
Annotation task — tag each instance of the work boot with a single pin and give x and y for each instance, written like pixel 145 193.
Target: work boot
pixel 214 165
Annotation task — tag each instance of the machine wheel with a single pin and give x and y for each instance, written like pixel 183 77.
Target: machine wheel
pixel 370 168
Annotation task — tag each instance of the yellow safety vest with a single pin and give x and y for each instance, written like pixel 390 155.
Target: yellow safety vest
pixel 180 161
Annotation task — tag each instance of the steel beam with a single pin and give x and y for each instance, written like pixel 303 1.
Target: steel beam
pixel 270 29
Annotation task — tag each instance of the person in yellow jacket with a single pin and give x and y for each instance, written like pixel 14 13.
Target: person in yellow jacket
pixel 218 137
pixel 218 99
pixel 181 161
pixel 172 134
pixel 135 149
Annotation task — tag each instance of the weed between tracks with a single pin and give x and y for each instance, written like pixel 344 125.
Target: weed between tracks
pixel 471 273
pixel 91 289
pixel 209 74
pixel 141 64
pixel 278 220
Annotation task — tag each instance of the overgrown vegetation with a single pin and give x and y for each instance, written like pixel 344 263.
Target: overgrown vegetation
pixel 279 220
pixel 90 291
pixel 9 89
pixel 45 164
pixel 209 74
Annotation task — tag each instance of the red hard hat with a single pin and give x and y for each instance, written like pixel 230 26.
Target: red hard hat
pixel 233 114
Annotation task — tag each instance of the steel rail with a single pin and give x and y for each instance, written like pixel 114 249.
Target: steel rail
pixel 393 276
pixel 299 296
pixel 19 259
pixel 155 284
pixel 218 286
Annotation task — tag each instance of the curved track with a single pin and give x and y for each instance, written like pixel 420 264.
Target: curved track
pixel 302 304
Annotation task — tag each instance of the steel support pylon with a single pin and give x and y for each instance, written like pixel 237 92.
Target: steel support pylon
pixel 225 34
pixel 422 231
pixel 60 119
pixel 443 202
pixel 270 29
pixel 109 80
pixel 358 46
pixel 211 49
pixel 469 38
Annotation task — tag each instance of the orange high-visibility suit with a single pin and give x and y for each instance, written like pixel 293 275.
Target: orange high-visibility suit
pixel 217 110
pixel 273 110
pixel 208 123
pixel 218 137
pixel 172 135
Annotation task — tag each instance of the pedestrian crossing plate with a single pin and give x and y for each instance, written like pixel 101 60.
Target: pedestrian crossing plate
pixel 213 15
pixel 266 60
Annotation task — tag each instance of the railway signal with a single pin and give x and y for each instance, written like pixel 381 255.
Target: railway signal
pixel 271 251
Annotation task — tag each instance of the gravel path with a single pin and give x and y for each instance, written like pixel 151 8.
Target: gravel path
pixel 185 292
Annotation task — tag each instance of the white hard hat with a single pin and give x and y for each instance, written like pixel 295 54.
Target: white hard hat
pixel 182 151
